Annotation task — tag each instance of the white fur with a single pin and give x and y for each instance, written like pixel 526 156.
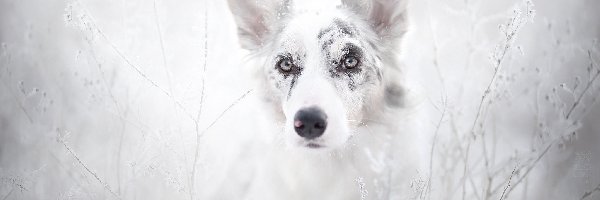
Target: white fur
pixel 371 149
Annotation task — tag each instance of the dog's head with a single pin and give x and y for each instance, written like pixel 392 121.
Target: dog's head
pixel 324 71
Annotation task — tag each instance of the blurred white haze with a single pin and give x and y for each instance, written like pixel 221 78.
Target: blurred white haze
pixel 148 99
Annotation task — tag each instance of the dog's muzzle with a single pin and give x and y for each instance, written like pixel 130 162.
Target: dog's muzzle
pixel 310 122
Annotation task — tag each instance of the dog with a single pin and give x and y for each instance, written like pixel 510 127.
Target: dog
pixel 334 105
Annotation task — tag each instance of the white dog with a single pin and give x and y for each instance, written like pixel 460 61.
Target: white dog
pixel 334 98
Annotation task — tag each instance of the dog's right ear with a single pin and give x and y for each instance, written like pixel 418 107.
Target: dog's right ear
pixel 387 17
pixel 256 19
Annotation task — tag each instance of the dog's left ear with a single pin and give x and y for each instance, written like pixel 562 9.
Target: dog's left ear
pixel 387 17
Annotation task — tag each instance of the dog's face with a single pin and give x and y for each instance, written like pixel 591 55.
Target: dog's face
pixel 322 70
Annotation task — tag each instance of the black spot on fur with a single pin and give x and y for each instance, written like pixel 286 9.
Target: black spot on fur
pixel 351 82
pixel 292 84
pixel 345 28
pixel 323 32
pixel 333 73
pixel 337 29
pixel 394 95
pixel 326 44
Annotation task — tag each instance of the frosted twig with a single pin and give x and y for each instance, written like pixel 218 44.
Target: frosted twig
pixel 123 126
pixel 21 107
pixel 539 157
pixel 568 116
pixel 95 27
pixel 435 49
pixel 510 32
pixel 104 184
pixel 203 79
pixel 78 183
pixel 362 188
pixel 435 135
pixel 16 182
pixel 464 178
pixel 587 87
pixel 162 47
pixel 9 193
pixel 6 85
pixel 225 111
pixel 444 99
pixel 19 182
pixel 120 113
pixel 487 167
pixel 508 184
pixel 198 137
pixel 589 193
pixel 102 76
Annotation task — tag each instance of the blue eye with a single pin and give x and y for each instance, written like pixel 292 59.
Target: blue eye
pixel 350 62
pixel 285 65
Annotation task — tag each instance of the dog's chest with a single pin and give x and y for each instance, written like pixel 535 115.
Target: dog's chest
pixel 286 175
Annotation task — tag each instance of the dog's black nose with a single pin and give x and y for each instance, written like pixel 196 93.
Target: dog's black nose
pixel 310 122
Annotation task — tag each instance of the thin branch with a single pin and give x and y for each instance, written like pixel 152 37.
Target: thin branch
pixel 61 166
pixel 512 28
pixel 539 157
pixel 119 151
pixel 444 100
pixel 104 184
pixel 508 184
pixel 487 167
pixel 464 178
pixel 9 193
pixel 103 77
pixel 203 79
pixel 587 87
pixel 207 128
pixel 589 193
pixel 162 46
pixel 568 116
pixel 120 113
pixel 21 107
pixel 227 109
pixel 435 135
pixel 510 32
pixel 94 26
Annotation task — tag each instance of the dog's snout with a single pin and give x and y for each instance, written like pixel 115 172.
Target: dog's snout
pixel 310 122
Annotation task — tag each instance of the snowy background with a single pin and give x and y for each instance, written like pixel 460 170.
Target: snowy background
pixel 143 99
